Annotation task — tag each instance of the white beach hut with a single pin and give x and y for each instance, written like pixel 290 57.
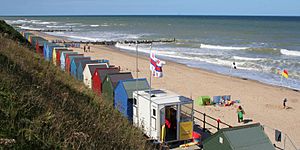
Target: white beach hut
pixel 89 71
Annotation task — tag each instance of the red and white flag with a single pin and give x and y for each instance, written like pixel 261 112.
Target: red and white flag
pixel 156 65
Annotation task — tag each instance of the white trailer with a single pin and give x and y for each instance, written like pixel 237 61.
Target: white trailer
pixel 164 115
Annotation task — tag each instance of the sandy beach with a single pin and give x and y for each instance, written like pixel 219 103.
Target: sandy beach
pixel 262 103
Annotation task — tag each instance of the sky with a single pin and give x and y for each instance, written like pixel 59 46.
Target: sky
pixel 150 7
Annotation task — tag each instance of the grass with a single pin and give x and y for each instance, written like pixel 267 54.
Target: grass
pixel 42 107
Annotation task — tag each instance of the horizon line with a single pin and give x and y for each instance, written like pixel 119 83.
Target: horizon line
pixel 147 15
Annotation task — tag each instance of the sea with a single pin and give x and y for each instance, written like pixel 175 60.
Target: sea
pixel 261 46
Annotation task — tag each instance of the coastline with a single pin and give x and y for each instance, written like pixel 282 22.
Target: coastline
pixel 262 102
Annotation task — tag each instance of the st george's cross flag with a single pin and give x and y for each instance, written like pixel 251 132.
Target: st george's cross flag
pixel 156 65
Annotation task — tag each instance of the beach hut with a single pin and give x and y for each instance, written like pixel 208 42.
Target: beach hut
pixel 35 39
pixel 54 54
pixel 58 54
pixel 39 45
pixel 31 39
pixel 69 58
pixel 75 63
pixel 82 65
pixel 98 77
pixel 48 50
pixel 89 71
pixel 26 35
pixel 163 115
pixel 110 82
pixel 63 59
pixel 123 98
pixel 247 137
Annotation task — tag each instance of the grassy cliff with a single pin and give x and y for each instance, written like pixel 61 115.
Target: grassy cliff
pixel 42 107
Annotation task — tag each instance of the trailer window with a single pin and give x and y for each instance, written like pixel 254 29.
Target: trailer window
pixel 186 112
pixel 154 112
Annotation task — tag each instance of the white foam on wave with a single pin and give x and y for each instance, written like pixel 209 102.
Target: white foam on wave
pixel 289 52
pixel 247 58
pixel 50 26
pixel 94 25
pixel 206 46
pixel 132 47
pixel 145 48
pixel 43 23
pixel 20 21
pixel 29 28
pixel 104 25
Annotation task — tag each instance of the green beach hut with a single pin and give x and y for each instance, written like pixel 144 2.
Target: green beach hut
pixel 110 82
pixel 247 137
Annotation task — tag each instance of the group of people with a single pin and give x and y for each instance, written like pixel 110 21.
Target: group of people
pixel 86 48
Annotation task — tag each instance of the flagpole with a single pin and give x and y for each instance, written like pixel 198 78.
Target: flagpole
pixel 150 74
pixel 136 61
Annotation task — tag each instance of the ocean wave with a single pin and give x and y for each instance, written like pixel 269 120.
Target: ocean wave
pixel 20 21
pixel 104 25
pixel 50 26
pixel 83 38
pixel 73 24
pixel 289 52
pixel 29 28
pixel 132 47
pixel 222 47
pixel 44 23
pixel 94 25
pixel 247 58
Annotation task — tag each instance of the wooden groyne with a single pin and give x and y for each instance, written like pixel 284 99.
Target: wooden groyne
pixel 115 42
pixel 52 30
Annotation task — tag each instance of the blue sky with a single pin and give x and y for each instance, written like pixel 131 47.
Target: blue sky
pixel 150 7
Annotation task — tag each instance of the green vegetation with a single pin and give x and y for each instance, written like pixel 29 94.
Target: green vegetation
pixel 41 107
pixel 8 31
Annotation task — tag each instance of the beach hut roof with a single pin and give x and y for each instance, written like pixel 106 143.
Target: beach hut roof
pixel 93 67
pixel 116 77
pixel 85 62
pixel 131 85
pixel 247 137
pixel 79 59
pixel 104 71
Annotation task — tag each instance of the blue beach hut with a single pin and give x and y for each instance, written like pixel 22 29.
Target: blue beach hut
pixel 47 48
pixel 123 95
pixel 83 63
pixel 74 64
pixel 63 59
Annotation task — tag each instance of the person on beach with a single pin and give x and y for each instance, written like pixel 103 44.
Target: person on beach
pixel 89 48
pixel 240 112
pixel 84 48
pixel 284 103
pixel 233 65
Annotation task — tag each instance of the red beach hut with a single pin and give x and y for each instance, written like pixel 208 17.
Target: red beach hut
pixel 58 54
pixel 98 77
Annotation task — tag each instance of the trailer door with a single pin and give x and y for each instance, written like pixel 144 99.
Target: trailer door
pixel 153 122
